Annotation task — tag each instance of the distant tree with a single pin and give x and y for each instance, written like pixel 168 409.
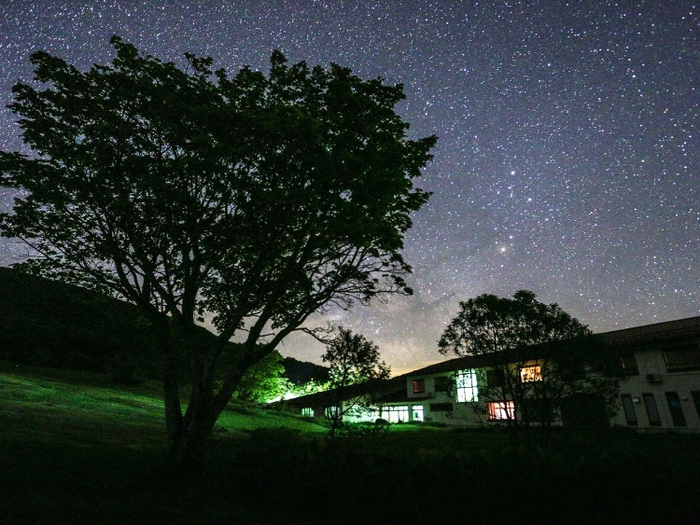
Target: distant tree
pixel 264 381
pixel 536 356
pixel 257 199
pixel 352 360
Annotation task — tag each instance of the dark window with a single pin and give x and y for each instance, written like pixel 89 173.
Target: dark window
pixel 652 410
pixel 674 406
pixel 682 359
pixel 441 407
pixel 630 412
pixel 495 378
pixel 629 365
pixel 696 400
pixel 418 386
pixel 442 384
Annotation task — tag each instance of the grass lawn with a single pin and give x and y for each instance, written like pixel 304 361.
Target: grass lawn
pixel 75 449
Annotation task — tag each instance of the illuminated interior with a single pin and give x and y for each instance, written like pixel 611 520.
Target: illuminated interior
pixel 501 410
pixel 531 373
pixel 466 386
pixel 396 414
pixel 417 413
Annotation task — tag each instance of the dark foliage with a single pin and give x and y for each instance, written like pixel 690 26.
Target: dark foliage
pixel 50 324
pixel 300 372
pixel 258 199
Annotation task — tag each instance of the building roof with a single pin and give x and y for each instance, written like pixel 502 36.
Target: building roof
pixel 459 363
pixel 636 336
pixel 654 333
pixel 377 387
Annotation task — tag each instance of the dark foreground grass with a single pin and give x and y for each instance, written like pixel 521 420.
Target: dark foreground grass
pixel 74 450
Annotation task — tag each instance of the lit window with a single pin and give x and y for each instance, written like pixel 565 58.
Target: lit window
pixel 418 386
pixel 466 386
pixel 501 410
pixel 417 413
pixel 395 414
pixel 333 412
pixel 528 374
pixel 307 412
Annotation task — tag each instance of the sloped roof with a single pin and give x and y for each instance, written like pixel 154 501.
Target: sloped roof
pixel 330 397
pixel 459 363
pixel 654 333
pixel 635 336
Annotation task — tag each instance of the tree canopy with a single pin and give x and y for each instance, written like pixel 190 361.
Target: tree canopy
pixel 538 356
pixel 352 359
pixel 256 199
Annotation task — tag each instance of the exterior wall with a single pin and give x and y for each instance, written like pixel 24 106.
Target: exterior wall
pixel 655 379
pixel 441 406
pixel 651 379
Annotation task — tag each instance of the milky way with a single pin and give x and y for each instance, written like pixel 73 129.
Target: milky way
pixel 568 160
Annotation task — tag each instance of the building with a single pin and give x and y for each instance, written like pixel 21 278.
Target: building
pixel 662 369
pixel 660 389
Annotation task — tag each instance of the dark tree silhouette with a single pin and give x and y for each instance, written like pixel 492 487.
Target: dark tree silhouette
pixel 258 199
pixel 537 357
pixel 352 359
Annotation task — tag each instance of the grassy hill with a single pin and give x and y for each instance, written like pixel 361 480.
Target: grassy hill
pixel 76 449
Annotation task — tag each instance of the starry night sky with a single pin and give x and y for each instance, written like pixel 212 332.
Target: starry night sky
pixel 568 160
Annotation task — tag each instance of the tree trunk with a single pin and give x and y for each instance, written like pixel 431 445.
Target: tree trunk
pixel 204 407
pixel 174 422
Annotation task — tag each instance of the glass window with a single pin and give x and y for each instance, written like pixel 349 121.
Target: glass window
pixel 395 414
pixel 674 406
pixel 529 374
pixel 307 412
pixel 441 407
pixel 495 378
pixel 418 386
pixel 652 410
pixel 696 400
pixel 442 384
pixel 681 359
pixel 466 386
pixel 629 365
pixel 333 412
pixel 630 412
pixel 417 413
pixel 501 410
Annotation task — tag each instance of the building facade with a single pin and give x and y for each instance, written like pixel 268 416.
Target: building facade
pixel 660 388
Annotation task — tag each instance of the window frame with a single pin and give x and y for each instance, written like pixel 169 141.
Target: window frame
pixel 682 365
pixel 399 410
pixel 653 414
pixel 530 373
pixel 504 412
pixel 629 410
pixel 630 367
pixel 675 407
pixel 418 386
pixel 467 391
